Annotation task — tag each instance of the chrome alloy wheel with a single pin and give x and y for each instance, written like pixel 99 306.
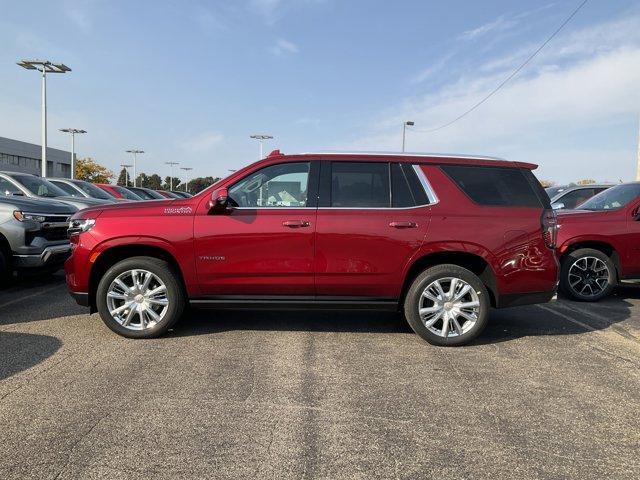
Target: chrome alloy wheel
pixel 589 276
pixel 137 299
pixel 449 307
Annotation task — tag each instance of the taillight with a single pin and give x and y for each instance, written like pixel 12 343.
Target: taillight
pixel 550 228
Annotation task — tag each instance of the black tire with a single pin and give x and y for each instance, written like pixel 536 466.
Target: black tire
pixel 175 295
pixel 414 300
pixel 583 294
pixel 5 270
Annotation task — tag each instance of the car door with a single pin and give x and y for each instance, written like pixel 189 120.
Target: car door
pixel 632 240
pixel 372 217
pixel 263 244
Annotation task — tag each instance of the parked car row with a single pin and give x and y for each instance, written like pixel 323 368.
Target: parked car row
pixel 35 214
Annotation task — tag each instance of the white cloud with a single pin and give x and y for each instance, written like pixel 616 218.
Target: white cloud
pixel 499 24
pixel 581 87
pixel 202 142
pixel 272 10
pixel 283 47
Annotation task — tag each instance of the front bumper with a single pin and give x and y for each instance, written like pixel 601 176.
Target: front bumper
pixel 52 255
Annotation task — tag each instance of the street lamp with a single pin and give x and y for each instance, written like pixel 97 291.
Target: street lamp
pixel 404 131
pixel 73 132
pixel 261 138
pixel 171 164
pixel 135 158
pixel 44 66
pixel 126 173
pixel 186 177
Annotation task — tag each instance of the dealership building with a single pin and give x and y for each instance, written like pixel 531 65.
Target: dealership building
pixel 17 156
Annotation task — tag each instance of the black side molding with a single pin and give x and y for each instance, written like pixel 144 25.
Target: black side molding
pixel 81 299
pixel 520 299
pixel 241 302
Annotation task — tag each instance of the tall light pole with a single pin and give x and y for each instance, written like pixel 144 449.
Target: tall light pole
pixel 638 159
pixel 261 138
pixel 73 132
pixel 404 131
pixel 186 177
pixel 126 173
pixel 44 67
pixel 171 164
pixel 135 153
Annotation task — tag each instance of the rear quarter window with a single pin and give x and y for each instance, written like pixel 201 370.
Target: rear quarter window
pixel 495 186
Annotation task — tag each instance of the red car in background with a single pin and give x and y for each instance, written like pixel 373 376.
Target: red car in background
pixel 119 192
pixel 599 244
pixel 442 238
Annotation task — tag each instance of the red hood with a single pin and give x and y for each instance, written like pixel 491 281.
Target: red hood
pixel 96 211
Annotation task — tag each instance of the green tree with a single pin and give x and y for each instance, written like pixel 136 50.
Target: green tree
pixel 200 183
pixel 91 171
pixel 142 180
pixel 122 178
pixel 155 182
pixel 167 183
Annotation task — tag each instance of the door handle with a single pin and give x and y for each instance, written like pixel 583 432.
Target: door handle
pixel 403 224
pixel 295 223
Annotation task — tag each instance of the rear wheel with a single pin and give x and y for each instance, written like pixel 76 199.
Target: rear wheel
pixel 140 297
pixel 587 275
pixel 447 305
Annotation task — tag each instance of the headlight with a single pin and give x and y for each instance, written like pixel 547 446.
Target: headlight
pixel 80 226
pixel 23 217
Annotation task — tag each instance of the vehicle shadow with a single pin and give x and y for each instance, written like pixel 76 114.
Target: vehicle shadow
pixel 560 317
pixel 20 351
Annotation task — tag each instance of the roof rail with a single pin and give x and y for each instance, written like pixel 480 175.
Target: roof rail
pixel 404 154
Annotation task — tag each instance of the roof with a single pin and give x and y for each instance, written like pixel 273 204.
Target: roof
pixel 415 157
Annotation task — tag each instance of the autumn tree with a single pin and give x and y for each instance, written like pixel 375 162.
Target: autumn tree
pixel 586 181
pixel 91 171
pixel 547 183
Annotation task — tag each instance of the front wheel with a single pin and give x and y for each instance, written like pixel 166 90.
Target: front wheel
pixel 140 297
pixel 447 305
pixel 587 275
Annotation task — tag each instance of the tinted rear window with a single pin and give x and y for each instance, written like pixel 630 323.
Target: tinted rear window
pixel 496 186
pixel 360 184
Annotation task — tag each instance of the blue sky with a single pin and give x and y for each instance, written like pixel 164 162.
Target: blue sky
pixel 189 81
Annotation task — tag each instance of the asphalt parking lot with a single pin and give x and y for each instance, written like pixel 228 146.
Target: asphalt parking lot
pixel 547 392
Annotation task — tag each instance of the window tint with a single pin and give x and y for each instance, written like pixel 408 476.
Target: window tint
pixel 497 186
pixel 614 197
pixel 576 197
pixel 8 188
pixel 283 185
pixel 417 189
pixel 39 186
pixel 126 193
pixel 360 184
pixel 401 193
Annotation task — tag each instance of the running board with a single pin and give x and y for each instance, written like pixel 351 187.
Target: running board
pixel 240 302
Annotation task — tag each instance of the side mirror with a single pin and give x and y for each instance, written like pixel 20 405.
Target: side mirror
pixel 557 206
pixel 219 201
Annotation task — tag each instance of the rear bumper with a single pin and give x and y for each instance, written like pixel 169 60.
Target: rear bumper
pixel 53 255
pixel 519 299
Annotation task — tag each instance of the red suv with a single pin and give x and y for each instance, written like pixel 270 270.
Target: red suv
pixel 599 244
pixel 443 238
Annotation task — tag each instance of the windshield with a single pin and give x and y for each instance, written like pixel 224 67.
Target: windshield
pixel 553 191
pixel 39 186
pixel 67 188
pixel 612 198
pixel 147 194
pixel 93 191
pixel 126 193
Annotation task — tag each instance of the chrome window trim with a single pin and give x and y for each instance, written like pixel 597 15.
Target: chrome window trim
pixel 431 194
pixel 272 208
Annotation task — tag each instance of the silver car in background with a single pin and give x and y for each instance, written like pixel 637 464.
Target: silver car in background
pixel 27 185
pixel 568 197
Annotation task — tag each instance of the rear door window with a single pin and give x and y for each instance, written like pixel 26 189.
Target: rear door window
pixel 494 186
pixel 360 185
pixel 576 197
